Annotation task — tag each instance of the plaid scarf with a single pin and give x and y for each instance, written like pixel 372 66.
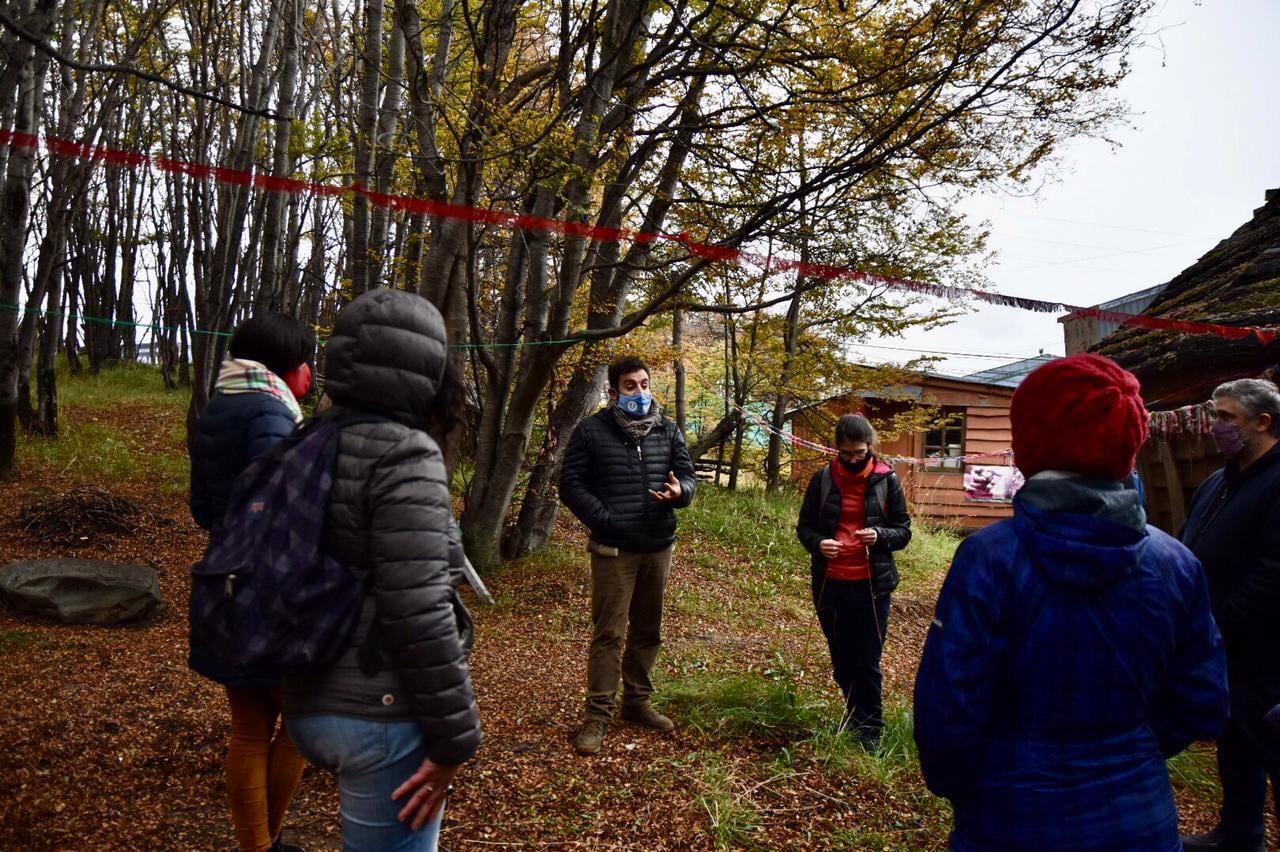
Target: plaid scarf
pixel 240 375
pixel 637 427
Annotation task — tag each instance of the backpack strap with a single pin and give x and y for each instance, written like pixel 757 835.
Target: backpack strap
pixel 825 483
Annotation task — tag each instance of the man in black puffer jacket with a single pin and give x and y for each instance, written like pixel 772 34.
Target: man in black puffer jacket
pixel 626 471
pixel 396 713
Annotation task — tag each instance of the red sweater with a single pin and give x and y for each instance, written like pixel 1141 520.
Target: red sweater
pixel 853 562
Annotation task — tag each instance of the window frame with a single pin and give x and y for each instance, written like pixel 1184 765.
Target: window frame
pixel 958 423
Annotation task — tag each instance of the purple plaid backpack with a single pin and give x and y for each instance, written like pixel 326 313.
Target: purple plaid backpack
pixel 265 599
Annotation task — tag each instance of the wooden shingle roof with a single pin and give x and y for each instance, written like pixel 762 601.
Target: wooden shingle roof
pixel 1237 282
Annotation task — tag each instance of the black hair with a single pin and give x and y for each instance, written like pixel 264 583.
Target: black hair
pixel 279 342
pixel 854 427
pixel 623 366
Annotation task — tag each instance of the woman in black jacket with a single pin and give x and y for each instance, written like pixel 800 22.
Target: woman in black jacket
pixel 395 716
pixel 853 517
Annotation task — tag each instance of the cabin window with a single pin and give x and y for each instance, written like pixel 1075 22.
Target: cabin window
pixel 946 444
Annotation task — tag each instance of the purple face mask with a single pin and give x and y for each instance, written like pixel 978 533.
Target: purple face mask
pixel 1227 438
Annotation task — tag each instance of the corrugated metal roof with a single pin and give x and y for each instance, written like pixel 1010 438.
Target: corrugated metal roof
pixel 1009 375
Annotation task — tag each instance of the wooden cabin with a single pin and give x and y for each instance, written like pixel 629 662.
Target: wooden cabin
pixel 1236 283
pixel 978 422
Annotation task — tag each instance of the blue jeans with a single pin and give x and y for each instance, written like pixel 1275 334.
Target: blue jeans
pixel 371 759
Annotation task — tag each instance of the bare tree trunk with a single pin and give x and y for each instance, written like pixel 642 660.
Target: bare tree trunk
pixel 15 205
pixel 677 342
pixel 72 315
pixel 790 343
pixel 46 422
pixel 540 506
pixel 379 251
pixel 270 296
pixel 366 143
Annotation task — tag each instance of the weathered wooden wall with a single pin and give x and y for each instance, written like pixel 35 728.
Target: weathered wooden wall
pixel 1171 471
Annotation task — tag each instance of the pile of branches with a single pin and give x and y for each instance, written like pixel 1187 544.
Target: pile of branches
pixel 80 516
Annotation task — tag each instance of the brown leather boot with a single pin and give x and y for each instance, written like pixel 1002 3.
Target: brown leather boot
pixel 645 716
pixel 590 736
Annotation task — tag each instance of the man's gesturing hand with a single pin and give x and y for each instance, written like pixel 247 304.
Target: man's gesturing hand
pixel 429 787
pixel 670 491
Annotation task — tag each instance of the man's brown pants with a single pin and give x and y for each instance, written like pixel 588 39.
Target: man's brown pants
pixel 626 603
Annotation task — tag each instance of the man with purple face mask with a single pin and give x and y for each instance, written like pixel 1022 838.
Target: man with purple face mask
pixel 1234 528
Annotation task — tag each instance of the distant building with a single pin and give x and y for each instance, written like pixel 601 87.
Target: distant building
pixel 1081 333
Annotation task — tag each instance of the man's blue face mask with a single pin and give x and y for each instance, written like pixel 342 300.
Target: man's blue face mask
pixel 636 404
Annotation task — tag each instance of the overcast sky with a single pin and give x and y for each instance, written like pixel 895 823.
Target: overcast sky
pixel 1203 147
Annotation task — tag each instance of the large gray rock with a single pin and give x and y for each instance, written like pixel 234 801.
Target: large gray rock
pixel 80 591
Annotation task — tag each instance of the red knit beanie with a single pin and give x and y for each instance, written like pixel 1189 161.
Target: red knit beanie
pixel 1082 414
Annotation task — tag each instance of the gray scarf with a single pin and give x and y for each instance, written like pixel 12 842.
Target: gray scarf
pixel 637 427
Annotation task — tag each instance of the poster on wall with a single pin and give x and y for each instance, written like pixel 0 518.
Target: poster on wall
pixel 991 483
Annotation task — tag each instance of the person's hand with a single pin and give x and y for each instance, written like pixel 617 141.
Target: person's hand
pixel 830 548
pixel 670 491
pixel 427 789
pixel 867 536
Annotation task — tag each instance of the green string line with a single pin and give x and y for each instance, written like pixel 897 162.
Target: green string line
pixel 105 321
pixel 321 341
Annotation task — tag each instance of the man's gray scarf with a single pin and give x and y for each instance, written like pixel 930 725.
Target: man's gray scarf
pixel 637 427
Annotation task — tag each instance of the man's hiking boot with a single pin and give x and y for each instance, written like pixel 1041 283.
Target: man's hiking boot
pixel 1218 841
pixel 590 736
pixel 645 716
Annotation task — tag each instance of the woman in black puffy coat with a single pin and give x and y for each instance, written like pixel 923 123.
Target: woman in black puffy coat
pixel 395 716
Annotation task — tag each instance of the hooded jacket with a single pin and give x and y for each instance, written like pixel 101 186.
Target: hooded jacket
pixel 607 476
pixel 1072 651
pixel 885 507
pixel 389 520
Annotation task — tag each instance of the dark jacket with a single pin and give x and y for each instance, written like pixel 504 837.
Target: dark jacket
pixel 1234 529
pixel 885 507
pixel 389 520
pixel 1069 656
pixel 606 479
pixel 234 429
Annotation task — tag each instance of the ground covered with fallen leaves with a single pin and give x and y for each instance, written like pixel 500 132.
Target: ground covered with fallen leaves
pixel 110 742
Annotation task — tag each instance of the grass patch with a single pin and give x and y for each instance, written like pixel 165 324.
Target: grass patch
pixel 17 640
pixel 753 524
pixel 838 751
pixel 765 705
pixel 733 819
pixel 95 451
pixel 102 453
pixel 924 562
pixel 133 383
pixel 1196 770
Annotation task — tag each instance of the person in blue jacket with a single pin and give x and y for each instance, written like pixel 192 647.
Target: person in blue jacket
pixel 1073 647
pixel 254 405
